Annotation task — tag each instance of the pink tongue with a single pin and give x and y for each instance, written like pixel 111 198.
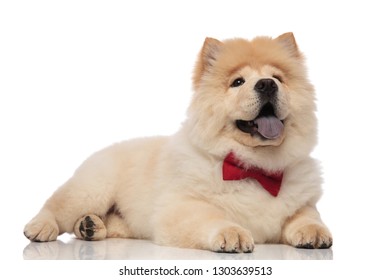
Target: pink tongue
pixel 269 127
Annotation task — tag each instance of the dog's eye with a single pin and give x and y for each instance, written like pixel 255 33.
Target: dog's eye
pixel 278 77
pixel 238 82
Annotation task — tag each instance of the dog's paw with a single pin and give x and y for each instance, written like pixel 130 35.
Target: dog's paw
pixel 41 230
pixel 233 239
pixel 311 236
pixel 90 228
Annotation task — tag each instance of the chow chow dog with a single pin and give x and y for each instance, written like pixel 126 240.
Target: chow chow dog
pixel 238 171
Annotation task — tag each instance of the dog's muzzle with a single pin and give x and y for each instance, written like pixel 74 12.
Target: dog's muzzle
pixel 267 125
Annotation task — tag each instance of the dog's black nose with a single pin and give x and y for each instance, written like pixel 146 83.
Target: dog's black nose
pixel 266 87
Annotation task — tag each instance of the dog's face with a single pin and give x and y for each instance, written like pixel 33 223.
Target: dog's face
pixel 254 97
pixel 259 103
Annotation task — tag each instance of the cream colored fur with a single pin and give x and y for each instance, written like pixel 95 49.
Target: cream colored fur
pixel 170 189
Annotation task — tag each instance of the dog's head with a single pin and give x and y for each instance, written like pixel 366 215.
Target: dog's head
pixel 253 98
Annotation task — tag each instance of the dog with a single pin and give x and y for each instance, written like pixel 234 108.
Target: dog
pixel 237 173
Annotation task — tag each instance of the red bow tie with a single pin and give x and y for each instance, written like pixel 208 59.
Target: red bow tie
pixel 232 170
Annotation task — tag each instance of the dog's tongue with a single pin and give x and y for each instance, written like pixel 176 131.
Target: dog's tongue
pixel 269 127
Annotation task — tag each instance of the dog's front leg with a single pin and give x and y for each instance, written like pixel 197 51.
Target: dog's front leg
pixel 306 230
pixel 200 225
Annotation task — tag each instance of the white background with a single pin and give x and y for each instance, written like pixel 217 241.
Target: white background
pixel 76 76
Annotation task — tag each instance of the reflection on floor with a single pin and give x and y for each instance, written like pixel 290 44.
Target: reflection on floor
pixel 130 249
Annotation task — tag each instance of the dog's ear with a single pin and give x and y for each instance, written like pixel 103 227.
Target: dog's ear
pixel 206 58
pixel 287 40
pixel 210 50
